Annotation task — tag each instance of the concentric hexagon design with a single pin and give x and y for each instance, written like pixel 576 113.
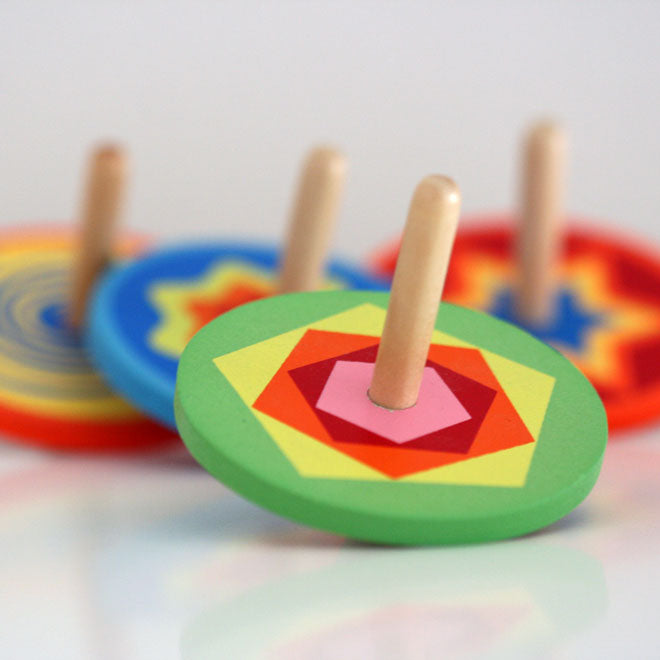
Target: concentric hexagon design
pixel 394 461
pixel 283 378
pixel 475 400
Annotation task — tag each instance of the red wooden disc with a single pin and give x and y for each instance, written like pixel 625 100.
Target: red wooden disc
pixel 606 313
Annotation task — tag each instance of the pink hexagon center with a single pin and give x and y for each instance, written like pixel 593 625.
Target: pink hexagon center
pixel 345 396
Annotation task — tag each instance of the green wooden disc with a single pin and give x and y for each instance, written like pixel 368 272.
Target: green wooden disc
pixel 507 436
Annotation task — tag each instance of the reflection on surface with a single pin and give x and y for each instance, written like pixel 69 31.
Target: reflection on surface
pixel 145 557
pixel 519 597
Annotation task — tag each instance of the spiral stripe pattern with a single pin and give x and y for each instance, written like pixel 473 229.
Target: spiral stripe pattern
pixel 43 368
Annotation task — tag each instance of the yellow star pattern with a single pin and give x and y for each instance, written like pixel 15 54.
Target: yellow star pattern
pixel 171 300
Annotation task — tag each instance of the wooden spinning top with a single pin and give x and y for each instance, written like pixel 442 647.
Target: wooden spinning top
pixel 379 417
pixel 145 312
pixel 49 393
pixel 591 294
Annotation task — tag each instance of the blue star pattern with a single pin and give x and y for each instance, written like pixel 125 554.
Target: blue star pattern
pixel 568 326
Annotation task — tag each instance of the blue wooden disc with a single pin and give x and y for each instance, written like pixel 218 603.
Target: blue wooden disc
pixel 144 313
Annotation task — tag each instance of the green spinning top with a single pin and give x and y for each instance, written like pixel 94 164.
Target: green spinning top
pixel 363 414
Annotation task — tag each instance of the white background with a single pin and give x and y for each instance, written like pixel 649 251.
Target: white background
pixel 217 102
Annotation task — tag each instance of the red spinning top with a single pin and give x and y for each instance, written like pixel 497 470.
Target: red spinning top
pixel 594 296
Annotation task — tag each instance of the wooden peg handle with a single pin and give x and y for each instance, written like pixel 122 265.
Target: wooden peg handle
pixel 540 228
pixel 416 291
pixel 100 211
pixel 312 220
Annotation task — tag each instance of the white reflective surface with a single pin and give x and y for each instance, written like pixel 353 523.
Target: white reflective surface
pixel 151 558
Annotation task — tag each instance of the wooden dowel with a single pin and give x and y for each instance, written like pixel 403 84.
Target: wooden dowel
pixel 539 233
pixel 416 291
pixel 100 210
pixel 312 220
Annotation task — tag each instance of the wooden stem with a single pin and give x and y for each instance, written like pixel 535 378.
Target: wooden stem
pixel 416 291
pixel 542 212
pixel 312 220
pixel 100 211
